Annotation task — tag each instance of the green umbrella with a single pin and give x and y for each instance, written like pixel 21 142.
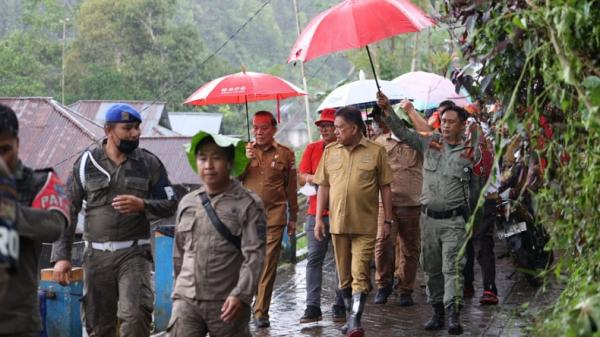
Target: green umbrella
pixel 239 159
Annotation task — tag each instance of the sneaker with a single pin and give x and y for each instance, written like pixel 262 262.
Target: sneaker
pixel 406 300
pixel 468 292
pixel 339 313
pixel 488 298
pixel 262 322
pixel 311 314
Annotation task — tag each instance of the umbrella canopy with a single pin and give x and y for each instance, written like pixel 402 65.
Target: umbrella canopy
pixel 429 90
pixel 355 24
pixel 361 94
pixel 244 87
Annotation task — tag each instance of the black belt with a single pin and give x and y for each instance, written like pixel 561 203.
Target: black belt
pixel 459 211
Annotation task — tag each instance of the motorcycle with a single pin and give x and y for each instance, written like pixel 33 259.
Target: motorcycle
pixel 524 238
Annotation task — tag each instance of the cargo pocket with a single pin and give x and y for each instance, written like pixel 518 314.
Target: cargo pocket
pixel 97 190
pixel 432 160
pixel 137 186
pixel 185 230
pixel 366 171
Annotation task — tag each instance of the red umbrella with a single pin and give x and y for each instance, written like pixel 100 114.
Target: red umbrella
pixel 244 87
pixel 355 24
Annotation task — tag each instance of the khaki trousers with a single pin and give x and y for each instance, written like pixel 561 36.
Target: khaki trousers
pixel 202 317
pixel 269 271
pixel 353 254
pixel 405 243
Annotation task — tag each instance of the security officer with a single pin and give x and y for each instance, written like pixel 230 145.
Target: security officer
pixel 216 276
pixel 448 167
pixel 122 186
pixel 272 176
pixel 407 172
pixel 42 214
pixel 351 174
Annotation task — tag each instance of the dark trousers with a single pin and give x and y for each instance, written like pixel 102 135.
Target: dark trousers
pixel 481 245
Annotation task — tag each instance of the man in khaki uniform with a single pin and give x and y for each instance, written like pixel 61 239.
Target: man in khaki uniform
pixel 272 175
pixel 407 166
pixel 123 186
pixel 215 279
pixel 352 173
pixel 447 185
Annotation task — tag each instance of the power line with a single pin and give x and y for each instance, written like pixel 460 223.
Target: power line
pixel 212 55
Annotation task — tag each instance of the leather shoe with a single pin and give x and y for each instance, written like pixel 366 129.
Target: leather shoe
pixel 382 295
pixel 262 322
pixel 406 300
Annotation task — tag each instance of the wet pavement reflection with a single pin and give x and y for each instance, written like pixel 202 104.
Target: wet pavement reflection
pixel 392 320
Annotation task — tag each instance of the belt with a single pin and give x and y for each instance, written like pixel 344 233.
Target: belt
pixel 112 246
pixel 459 211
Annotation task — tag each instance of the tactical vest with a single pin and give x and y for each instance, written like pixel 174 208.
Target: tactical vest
pixel 102 222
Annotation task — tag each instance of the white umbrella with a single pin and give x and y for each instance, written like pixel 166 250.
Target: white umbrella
pixel 428 90
pixel 361 94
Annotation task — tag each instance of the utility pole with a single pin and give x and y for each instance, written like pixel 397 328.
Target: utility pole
pixel 305 87
pixel 64 41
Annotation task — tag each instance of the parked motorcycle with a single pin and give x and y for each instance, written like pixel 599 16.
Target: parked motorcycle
pixel 524 238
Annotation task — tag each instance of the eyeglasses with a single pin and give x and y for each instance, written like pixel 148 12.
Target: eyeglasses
pixel 340 128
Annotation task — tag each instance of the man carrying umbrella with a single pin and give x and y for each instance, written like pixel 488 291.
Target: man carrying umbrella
pixel 351 175
pixel 272 175
pixel 447 185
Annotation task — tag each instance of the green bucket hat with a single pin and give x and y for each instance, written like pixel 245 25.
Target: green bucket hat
pixel 239 159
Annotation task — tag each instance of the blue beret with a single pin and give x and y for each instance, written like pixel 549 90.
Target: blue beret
pixel 122 113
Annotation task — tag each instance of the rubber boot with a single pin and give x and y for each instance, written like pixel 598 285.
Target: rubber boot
pixel 454 327
pixel 437 320
pixel 347 297
pixel 358 306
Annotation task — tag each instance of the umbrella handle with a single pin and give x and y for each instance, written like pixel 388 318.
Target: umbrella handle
pixel 247 118
pixel 373 68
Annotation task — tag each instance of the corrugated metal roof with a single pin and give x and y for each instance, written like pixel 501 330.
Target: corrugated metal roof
pixel 189 123
pixel 51 135
pixel 171 152
pixel 153 113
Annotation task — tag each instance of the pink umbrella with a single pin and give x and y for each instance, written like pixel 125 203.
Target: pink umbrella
pixel 355 24
pixel 428 90
pixel 244 87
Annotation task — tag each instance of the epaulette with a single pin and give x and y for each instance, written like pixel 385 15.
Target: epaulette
pixel 331 144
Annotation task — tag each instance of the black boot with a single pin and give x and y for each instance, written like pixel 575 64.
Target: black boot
pixel 454 327
pixel 437 320
pixel 347 297
pixel 358 306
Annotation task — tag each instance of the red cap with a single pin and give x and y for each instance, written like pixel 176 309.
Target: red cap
pixel 327 115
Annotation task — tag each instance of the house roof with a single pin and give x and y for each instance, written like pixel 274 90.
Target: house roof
pixel 153 113
pixel 189 123
pixel 50 134
pixel 171 152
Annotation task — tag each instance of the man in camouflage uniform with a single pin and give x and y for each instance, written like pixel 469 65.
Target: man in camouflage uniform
pixel 216 277
pixel 122 186
pixel 447 180
pixel 41 215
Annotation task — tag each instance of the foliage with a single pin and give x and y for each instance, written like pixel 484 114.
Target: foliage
pixel 541 59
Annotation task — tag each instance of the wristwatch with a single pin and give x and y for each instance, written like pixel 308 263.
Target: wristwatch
pixel 388 222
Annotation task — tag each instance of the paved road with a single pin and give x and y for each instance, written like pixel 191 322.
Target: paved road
pixel 391 320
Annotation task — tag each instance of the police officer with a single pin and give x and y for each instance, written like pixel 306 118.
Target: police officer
pixel 122 186
pixel 216 274
pixel 272 176
pixel 41 215
pixel 448 164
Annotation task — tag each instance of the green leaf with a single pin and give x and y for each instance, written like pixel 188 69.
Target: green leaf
pixel 520 22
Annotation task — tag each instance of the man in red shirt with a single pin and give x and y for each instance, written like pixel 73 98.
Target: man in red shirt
pixel 317 249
